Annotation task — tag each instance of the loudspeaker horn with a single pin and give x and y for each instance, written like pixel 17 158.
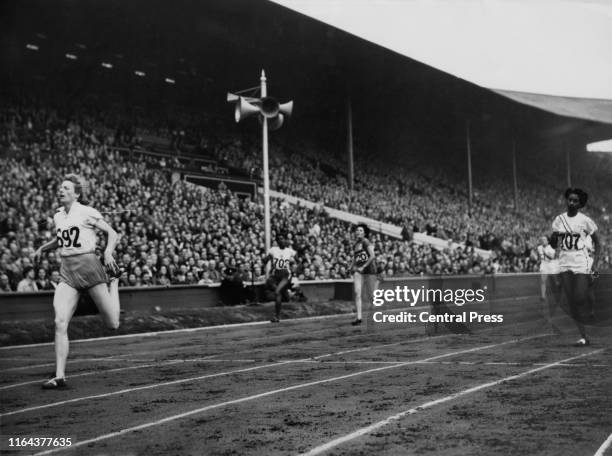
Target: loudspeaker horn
pixel 269 107
pixel 276 122
pixel 286 108
pixel 244 109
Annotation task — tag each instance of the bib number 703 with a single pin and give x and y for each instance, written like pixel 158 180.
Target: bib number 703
pixel 68 237
pixel 280 263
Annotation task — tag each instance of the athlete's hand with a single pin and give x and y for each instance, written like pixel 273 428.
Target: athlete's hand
pixel 360 270
pixel 110 263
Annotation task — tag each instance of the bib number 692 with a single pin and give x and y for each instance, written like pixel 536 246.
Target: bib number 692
pixel 68 237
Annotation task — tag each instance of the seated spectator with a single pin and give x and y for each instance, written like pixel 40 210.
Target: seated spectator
pixel 55 279
pixel 133 281
pixel 295 292
pixel 190 278
pixel 147 279
pixel 5 286
pixel 42 282
pixel 232 288
pixel 184 230
pixel 28 283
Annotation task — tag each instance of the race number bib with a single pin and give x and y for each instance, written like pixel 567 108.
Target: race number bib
pixel 570 241
pixel 68 237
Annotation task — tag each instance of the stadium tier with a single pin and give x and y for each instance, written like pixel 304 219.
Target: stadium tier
pixel 180 233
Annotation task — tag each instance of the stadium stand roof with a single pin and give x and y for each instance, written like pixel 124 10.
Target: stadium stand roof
pixel 211 47
pixel 553 55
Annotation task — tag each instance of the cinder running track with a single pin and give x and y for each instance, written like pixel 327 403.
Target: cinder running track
pixel 316 386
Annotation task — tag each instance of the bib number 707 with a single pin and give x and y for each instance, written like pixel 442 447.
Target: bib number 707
pixel 68 237
pixel 570 241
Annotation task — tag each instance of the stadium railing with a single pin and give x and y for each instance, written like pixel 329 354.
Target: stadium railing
pixel 375 225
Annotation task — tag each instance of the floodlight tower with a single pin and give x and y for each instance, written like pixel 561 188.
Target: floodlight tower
pixel 271 115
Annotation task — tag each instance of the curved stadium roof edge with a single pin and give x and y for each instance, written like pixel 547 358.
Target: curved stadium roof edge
pixel 550 55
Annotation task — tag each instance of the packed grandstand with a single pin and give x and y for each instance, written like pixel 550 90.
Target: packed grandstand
pixel 176 232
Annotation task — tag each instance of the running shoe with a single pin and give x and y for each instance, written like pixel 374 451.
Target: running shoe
pixel 582 342
pixel 54 383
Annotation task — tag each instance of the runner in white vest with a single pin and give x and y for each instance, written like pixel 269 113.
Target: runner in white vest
pixel 278 271
pixel 570 232
pixel 81 270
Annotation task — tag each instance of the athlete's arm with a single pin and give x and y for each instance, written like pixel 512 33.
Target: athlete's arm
pixel 556 231
pixel 51 245
pixel 554 240
pixel 268 266
pixel 111 242
pixel 596 250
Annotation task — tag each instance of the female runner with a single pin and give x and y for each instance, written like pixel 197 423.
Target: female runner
pixel 81 270
pixel 570 232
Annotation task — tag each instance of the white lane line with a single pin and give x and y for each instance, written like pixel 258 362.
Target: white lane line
pixel 208 360
pixel 32 382
pixel 174 331
pixel 604 446
pixel 207 328
pixel 422 339
pixel 371 347
pixel 481 363
pixel 73 361
pixel 273 392
pixel 175 350
pixel 343 337
pixel 102 371
pixel 25 358
pixel 368 429
pixel 141 388
pixel 143 366
pixel 453 363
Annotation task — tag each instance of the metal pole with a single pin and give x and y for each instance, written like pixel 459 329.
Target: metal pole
pixel 569 166
pixel 264 93
pixel 469 165
pixel 514 175
pixel 349 134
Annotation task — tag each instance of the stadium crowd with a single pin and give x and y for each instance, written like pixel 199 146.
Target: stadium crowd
pixel 435 203
pixel 173 232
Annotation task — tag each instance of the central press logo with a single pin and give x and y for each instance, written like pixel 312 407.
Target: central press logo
pixel 405 305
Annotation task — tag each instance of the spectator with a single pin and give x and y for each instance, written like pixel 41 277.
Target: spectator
pixel 55 279
pixel 5 286
pixel 232 288
pixel 28 283
pixel 178 228
pixel 42 282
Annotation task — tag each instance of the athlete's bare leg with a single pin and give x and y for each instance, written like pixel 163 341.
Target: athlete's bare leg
pixel 371 284
pixel 107 301
pixel 357 289
pixel 543 280
pixel 279 296
pixel 65 302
